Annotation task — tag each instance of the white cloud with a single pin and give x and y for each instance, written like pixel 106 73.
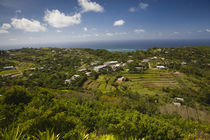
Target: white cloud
pixel 59 20
pixel 109 34
pixel 87 5
pixel 18 11
pixel 4 28
pixel 208 30
pixel 116 33
pixel 176 32
pixel 132 9
pixel 58 31
pixel 143 5
pixel 119 22
pixel 27 25
pixel 3 31
pixel 85 29
pixel 139 30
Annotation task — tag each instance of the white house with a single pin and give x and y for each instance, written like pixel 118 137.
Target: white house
pixel 82 70
pixel 115 67
pixel 183 63
pixel 74 77
pixel 94 63
pixel 67 81
pixel 145 60
pixel 9 67
pixel 100 67
pixel 88 73
pixel 139 68
pixel 130 61
pixel 179 99
pixel 110 63
pixel 124 64
pixel 161 67
pixel 121 79
pixel 177 104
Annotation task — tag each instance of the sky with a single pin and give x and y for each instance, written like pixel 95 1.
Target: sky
pixel 63 21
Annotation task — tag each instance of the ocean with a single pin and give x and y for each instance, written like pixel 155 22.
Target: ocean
pixel 123 45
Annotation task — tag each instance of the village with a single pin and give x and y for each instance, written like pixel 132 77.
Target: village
pixel 92 85
pixel 124 71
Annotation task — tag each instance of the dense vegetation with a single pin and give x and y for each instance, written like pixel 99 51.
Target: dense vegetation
pixel 36 103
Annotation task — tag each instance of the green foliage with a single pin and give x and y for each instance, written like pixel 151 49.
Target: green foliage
pixel 45 108
pixel 47 135
pixel 12 134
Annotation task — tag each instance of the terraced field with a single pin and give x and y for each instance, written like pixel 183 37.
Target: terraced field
pixel 148 83
pixel 103 83
pixel 156 79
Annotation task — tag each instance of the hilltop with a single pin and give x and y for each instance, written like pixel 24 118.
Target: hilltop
pixel 159 93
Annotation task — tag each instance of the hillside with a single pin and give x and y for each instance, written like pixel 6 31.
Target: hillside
pixel 159 93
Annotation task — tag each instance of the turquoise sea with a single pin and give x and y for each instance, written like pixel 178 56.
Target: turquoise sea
pixel 120 45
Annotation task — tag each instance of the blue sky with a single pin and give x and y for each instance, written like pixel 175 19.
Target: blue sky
pixel 60 21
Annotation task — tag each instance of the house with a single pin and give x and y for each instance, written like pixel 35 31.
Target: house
pixel 67 81
pixel 94 63
pixel 163 58
pixel 110 63
pixel 6 75
pixel 8 67
pixel 145 61
pixel 139 68
pixel 88 73
pixel 179 99
pixel 99 68
pixel 177 104
pixel 121 79
pixel 73 78
pixel 130 61
pixel 115 67
pixel 41 68
pixel 161 67
pixel 153 58
pixel 32 69
pixel 82 70
pixel 124 64
pixel 183 63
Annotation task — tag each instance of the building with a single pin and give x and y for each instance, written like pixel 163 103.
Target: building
pixel 161 67
pixel 73 78
pixel 124 64
pixel 179 99
pixel 110 63
pixel 82 70
pixel 8 67
pixel 88 73
pixel 115 67
pixel 145 61
pixel 99 68
pixel 153 58
pixel 121 79
pixel 67 81
pixel 130 61
pixel 139 68
pixel 183 63
pixel 177 104
pixel 94 63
